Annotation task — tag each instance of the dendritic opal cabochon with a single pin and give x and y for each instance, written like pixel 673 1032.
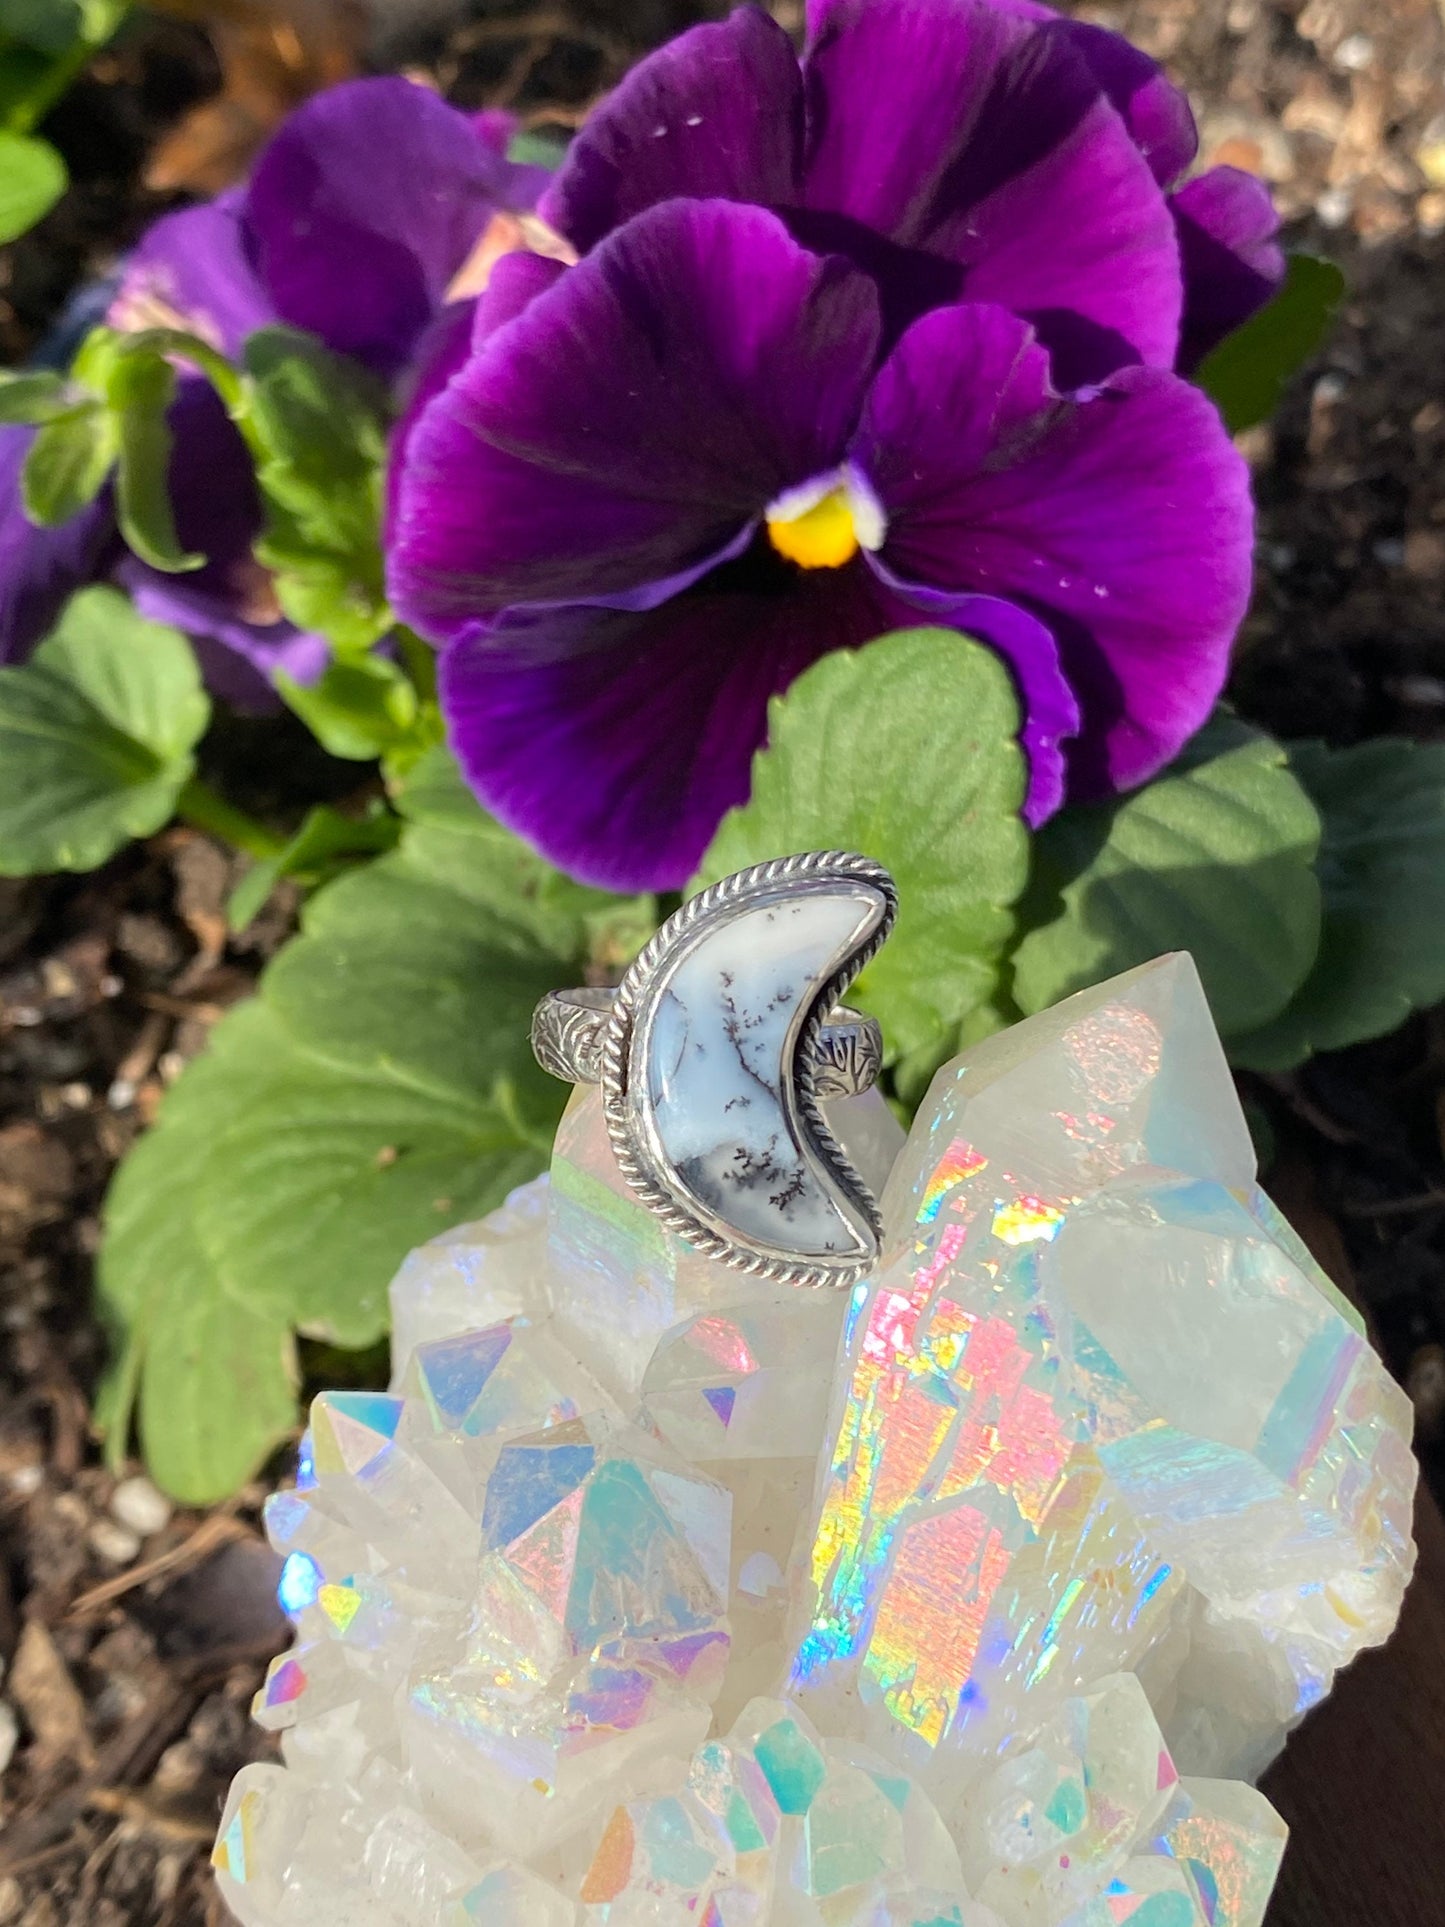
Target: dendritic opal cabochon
pixel 716 1053
pixel 655 1594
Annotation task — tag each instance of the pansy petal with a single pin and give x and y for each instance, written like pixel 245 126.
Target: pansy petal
pixel 1049 710
pixel 231 600
pixel 362 209
pixel 192 270
pixel 496 128
pixel 238 658
pixel 442 350
pixel 1155 111
pixel 1123 522
pixel 968 133
pixel 40 568
pixel 633 418
pixel 514 284
pixel 1233 262
pixel 717 112
pixel 618 752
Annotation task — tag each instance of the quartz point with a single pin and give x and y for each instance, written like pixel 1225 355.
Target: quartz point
pixel 655 1595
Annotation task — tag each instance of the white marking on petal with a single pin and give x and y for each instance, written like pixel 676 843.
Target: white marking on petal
pixel 870 523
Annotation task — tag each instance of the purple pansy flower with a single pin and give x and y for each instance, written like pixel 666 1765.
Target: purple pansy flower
pixel 357 219
pixel 881 339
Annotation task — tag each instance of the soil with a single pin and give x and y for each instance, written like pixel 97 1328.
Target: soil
pixel 132 1636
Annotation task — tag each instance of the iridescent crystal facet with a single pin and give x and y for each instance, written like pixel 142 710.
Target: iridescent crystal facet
pixel 656 1596
pixel 1100 1412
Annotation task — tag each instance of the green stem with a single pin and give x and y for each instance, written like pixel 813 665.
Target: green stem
pixel 418 661
pixel 225 379
pixel 199 804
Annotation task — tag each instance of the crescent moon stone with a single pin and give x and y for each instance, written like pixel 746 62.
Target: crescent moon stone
pixel 715 1047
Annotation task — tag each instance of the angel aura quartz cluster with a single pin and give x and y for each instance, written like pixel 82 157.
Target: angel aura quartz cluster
pixel 656 1596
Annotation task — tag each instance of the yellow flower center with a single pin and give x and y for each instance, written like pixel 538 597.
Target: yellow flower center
pixel 824 536
pixel 822 523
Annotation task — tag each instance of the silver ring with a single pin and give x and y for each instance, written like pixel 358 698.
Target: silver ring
pixel 568 1028
pixel 716 1051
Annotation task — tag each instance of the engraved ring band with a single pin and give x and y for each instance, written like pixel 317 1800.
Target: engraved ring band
pixel 569 1027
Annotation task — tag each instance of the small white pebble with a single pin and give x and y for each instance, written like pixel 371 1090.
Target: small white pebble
pixel 137 1504
pixel 26 1480
pixel 1335 206
pixel 58 978
pixel 1355 52
pixel 114 1543
pixel 9 1733
pixel 179 1769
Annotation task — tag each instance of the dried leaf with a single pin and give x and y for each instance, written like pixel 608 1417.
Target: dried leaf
pixel 273 54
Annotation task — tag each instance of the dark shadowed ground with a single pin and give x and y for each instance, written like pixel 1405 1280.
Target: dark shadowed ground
pixel 130 1642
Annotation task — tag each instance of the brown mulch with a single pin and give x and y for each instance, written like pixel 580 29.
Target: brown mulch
pixel 130 1642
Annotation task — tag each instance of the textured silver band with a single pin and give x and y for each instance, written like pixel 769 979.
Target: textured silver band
pixel 569 1026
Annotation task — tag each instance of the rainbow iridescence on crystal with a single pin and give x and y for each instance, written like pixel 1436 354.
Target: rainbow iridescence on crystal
pixel 655 1596
pixel 1103 1413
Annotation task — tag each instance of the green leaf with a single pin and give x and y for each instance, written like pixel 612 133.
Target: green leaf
pixel 456 843
pixel 214 1376
pixel 38 396
pixel 68 463
pixel 276 1193
pixel 358 708
pixel 1215 856
pixel 49 26
pixel 32 180
pixel 320 592
pixel 316 1188
pixel 321 417
pixel 140 390
pixel 96 734
pixel 378 1090
pixel 536 150
pixel 56 26
pixel 44 44
pixel 388 976
pixel 318 851
pixel 1382 869
pixel 104 348
pixel 23 75
pixel 100 18
pixel 1247 372
pixel 317 423
pixel 904 751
